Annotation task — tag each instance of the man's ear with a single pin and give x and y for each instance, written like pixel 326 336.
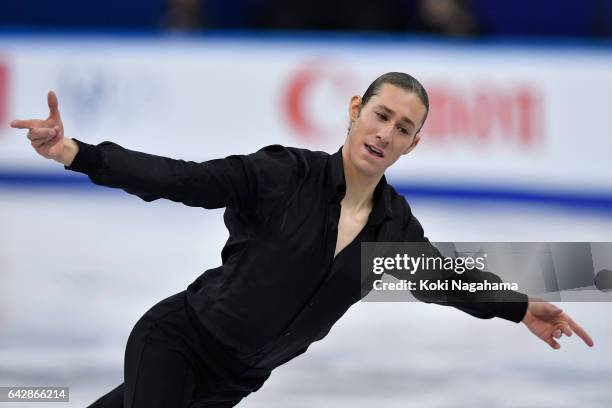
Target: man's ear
pixel 415 142
pixel 354 108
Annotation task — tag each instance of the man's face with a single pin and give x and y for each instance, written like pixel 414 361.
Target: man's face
pixel 384 129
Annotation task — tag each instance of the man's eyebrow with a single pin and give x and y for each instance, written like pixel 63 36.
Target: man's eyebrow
pixel 403 118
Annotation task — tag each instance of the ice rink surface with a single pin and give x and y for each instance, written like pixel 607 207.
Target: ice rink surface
pixel 78 268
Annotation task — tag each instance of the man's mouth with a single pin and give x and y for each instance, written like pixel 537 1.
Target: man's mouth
pixel 374 150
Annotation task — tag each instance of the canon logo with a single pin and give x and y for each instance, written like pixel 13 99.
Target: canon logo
pixel 461 112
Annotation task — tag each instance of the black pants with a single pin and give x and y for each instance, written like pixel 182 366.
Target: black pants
pixel 168 364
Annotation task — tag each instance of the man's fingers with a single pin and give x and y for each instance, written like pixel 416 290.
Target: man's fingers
pixel 37 143
pixel 581 333
pixel 27 124
pixel 41 134
pixel 53 105
pixel 54 116
pixel 557 333
pixel 48 141
pixel 566 330
pixel 552 343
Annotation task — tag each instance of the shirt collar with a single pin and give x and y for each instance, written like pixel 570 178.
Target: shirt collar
pixel 336 188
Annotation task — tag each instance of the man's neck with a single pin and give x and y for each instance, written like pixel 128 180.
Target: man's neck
pixel 359 187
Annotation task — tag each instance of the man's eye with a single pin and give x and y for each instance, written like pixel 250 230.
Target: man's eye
pixel 403 130
pixel 381 116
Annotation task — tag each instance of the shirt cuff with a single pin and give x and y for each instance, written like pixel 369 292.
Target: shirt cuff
pixel 87 159
pixel 513 307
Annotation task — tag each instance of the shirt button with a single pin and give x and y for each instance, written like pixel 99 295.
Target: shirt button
pixel 287 333
pixel 311 304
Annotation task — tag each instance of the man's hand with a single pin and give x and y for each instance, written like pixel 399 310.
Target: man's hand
pixel 548 322
pixel 47 136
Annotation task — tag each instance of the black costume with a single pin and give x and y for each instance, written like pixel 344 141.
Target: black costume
pixel 279 288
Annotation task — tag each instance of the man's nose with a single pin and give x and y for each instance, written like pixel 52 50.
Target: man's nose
pixel 384 134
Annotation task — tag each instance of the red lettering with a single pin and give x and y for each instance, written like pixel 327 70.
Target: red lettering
pixel 460 117
pixel 3 94
pixel 526 104
pixel 504 108
pixel 294 102
pixel 436 125
pixel 484 115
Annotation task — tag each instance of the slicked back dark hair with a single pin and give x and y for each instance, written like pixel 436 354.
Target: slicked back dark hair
pixel 400 80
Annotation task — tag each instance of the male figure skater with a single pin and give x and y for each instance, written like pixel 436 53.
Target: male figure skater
pixel 296 219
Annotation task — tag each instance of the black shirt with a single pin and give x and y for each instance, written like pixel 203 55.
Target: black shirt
pixel 279 288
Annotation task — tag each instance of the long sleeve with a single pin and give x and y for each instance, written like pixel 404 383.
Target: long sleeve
pixel 509 305
pixel 243 182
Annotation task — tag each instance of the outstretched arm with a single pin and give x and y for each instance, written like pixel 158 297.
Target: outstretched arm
pixel 244 182
pixel 543 319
